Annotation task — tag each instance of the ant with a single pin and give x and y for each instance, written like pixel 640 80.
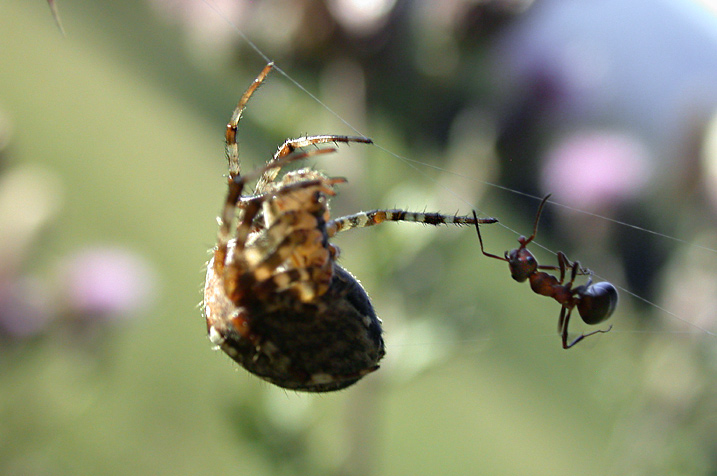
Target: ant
pixel 595 302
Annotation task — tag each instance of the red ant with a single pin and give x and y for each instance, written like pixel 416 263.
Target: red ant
pixel 595 302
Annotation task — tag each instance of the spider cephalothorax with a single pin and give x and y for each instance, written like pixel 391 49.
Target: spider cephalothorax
pixel 275 299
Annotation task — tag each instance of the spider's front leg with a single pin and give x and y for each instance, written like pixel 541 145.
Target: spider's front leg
pixel 374 217
pixel 291 145
pixel 232 148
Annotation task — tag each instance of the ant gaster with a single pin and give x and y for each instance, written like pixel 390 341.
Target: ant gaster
pixel 595 302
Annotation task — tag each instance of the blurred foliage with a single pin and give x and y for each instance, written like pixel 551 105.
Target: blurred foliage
pixel 119 126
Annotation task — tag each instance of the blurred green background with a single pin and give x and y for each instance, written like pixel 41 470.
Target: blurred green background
pixel 111 176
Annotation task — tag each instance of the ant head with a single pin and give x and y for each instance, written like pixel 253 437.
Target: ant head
pixel 522 263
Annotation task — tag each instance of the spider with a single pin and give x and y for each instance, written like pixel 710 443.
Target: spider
pixel 595 302
pixel 275 299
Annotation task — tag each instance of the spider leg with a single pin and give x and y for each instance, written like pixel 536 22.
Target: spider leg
pixel 307 283
pixel 236 186
pixel 284 224
pixel 253 266
pixel 295 239
pixel 290 145
pixel 298 250
pixel 374 217
pixel 285 249
pixel 232 148
pixel 252 206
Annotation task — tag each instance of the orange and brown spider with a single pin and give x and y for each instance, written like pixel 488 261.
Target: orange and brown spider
pixel 275 299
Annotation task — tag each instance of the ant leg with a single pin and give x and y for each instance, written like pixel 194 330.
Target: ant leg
pixel 563 329
pixel 374 217
pixel 577 269
pixel 290 145
pixel 583 336
pixel 563 323
pixel 563 264
pixel 564 320
pixel 480 239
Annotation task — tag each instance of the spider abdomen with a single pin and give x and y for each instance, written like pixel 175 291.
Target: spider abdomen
pixel 315 347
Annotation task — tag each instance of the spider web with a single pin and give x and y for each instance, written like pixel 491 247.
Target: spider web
pixel 417 166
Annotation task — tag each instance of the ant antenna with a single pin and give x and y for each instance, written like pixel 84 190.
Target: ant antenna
pixel 537 219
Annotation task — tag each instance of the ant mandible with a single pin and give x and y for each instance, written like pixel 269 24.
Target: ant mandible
pixel 595 302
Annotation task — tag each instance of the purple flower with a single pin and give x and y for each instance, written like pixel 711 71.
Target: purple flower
pixel 594 170
pixel 107 283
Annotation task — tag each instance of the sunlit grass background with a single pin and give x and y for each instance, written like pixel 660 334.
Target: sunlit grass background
pixel 122 121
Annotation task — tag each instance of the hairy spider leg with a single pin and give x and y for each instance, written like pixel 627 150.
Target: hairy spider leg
pixel 239 265
pixel 290 145
pixel 291 227
pixel 236 185
pixel 232 148
pixel 304 239
pixel 291 230
pixel 374 217
pixel 236 182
